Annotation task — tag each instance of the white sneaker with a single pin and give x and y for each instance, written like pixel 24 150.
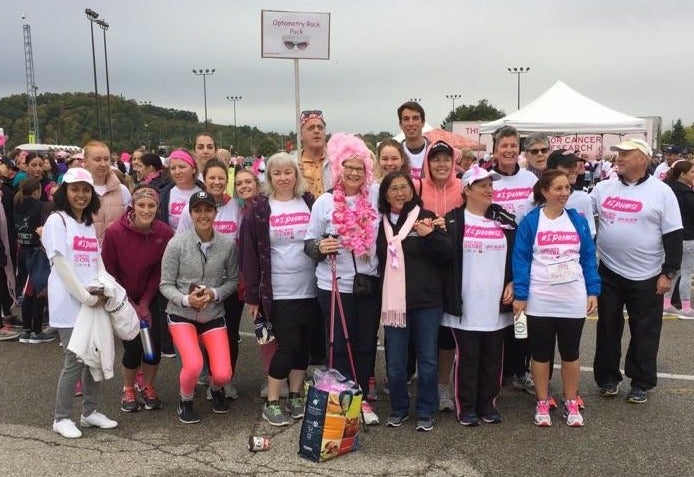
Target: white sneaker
pixel 685 314
pixel 67 429
pixel 524 383
pixel 445 401
pixel 96 419
pixel 670 310
pixel 370 417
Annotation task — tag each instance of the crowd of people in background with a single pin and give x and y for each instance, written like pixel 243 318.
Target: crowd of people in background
pixel 440 249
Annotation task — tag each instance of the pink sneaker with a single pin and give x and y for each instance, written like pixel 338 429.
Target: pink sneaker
pixel 542 417
pixel 572 414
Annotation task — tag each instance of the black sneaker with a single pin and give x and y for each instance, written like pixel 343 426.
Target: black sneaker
pixel 219 401
pixel 25 336
pixel 492 417
pixel 396 420
pixel 12 322
pixel 425 424
pixel 610 389
pixel 37 338
pixel 637 395
pixel 469 419
pixel 186 414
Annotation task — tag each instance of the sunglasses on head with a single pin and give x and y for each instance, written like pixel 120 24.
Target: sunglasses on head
pixel 312 114
pixel 543 150
pixel 300 45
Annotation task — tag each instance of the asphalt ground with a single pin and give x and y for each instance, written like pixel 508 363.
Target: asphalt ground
pixel 618 439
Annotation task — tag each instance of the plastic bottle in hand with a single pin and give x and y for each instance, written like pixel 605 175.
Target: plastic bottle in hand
pixel 520 326
pixel 147 348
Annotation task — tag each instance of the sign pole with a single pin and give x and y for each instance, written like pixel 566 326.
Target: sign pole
pixel 297 112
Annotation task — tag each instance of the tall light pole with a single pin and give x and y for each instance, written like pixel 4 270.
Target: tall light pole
pixel 92 16
pixel 104 26
pixel 453 97
pixel 204 73
pixel 416 100
pixel 234 99
pixel 518 70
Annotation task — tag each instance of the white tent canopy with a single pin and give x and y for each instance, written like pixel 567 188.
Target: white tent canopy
pixel 562 110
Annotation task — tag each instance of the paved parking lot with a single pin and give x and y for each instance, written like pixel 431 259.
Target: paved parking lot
pixel 619 438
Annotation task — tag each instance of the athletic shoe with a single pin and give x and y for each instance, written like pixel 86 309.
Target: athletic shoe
pixel 67 429
pixel 12 322
pixel 670 310
pixel 368 414
pixel 273 414
pixel 37 338
pixel 128 401
pixel 686 314
pixel 219 401
pixel 78 388
pixel 372 395
pixel 186 414
pixel 469 419
pixel 445 401
pixel 552 402
pixel 524 383
pixel 492 417
pixel 7 334
pixel 425 424
pixel 637 395
pixel 149 395
pixel 96 419
pixel 572 414
pixel 579 401
pixel 295 406
pixel 230 392
pixel 169 355
pixel 396 420
pixel 610 389
pixel 24 336
pixel 542 417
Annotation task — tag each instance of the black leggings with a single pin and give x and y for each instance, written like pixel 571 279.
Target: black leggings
pixel 292 323
pixel 133 351
pixel 543 331
pixel 233 309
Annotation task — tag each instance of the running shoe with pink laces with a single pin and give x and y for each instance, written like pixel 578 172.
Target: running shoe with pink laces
pixel 542 417
pixel 572 414
pixel 369 416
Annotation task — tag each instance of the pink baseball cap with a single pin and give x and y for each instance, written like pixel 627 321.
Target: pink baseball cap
pixel 78 174
pixel 477 173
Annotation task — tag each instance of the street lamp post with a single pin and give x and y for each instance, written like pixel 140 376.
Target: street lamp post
pixel 92 16
pixel 518 70
pixel 453 97
pixel 204 73
pixel 104 26
pixel 416 100
pixel 234 99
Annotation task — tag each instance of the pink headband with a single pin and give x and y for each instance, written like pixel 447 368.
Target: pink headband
pixel 183 156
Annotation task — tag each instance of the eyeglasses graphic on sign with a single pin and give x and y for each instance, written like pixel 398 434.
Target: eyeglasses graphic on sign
pixel 300 42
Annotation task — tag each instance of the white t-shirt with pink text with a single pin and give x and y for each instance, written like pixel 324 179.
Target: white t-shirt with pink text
pixel 557 288
pixel 511 192
pixel 484 255
pixel 661 171
pixel 293 272
pixel 178 202
pixel 77 243
pixel 227 221
pixel 632 221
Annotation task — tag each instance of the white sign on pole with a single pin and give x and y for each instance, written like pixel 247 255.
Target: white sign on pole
pixel 295 35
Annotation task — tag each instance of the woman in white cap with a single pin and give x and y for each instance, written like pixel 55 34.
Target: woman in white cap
pixel 479 311
pixel 69 238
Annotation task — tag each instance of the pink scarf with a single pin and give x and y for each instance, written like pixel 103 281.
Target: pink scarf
pixel 393 307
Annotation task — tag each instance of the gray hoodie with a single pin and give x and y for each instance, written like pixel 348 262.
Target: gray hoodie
pixel 184 264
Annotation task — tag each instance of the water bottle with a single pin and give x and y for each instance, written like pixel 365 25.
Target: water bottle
pixel 147 348
pixel 520 326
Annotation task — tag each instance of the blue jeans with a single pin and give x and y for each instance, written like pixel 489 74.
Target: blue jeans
pixel 423 324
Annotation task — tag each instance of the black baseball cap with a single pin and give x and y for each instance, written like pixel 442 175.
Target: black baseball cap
pixel 201 197
pixel 440 146
pixel 563 158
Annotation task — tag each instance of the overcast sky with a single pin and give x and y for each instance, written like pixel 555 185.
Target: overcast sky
pixel 631 55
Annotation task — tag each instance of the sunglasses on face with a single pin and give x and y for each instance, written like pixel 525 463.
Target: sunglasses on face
pixel 300 45
pixel 543 150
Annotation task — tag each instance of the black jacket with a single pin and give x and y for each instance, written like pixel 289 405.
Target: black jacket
pixel 685 198
pixel 425 261
pixel 455 224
